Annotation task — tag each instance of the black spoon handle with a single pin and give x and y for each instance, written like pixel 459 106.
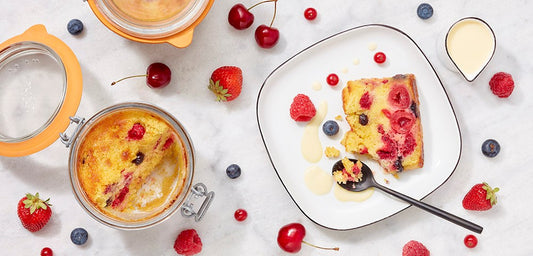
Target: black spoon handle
pixel 436 211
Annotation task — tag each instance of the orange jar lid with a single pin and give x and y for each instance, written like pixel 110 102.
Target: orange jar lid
pixel 41 88
pixel 152 21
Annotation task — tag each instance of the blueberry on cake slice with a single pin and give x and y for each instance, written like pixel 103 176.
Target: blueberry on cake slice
pixel 384 119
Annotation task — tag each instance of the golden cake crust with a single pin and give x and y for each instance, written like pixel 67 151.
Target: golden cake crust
pixel 384 119
pixel 131 173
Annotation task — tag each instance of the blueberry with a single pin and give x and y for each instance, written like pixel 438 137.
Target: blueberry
pixel 363 119
pixel 75 26
pixel 79 236
pixel 490 148
pixel 424 11
pixel 233 171
pixel 330 128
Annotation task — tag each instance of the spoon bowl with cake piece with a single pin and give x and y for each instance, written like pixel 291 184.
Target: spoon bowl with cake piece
pixel 367 181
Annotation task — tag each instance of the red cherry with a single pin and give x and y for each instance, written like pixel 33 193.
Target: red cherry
pixel 380 57
pixel 290 238
pixel 470 241
pixel 310 13
pixel 157 75
pixel 402 121
pixel 47 252
pixel 399 97
pixel 266 36
pixel 239 17
pixel 240 214
pixel 332 79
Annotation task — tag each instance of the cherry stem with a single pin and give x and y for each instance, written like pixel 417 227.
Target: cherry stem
pixel 262 2
pixel 113 83
pixel 274 16
pixel 323 248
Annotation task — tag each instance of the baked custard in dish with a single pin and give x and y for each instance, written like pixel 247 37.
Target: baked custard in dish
pixel 384 117
pixel 151 10
pixel 131 164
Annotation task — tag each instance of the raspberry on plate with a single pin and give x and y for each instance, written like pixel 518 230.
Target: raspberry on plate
pixel 188 243
pixel 501 84
pixel 414 248
pixel 302 109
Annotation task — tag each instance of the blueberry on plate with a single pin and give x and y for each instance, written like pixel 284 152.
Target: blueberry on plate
pixel 424 11
pixel 75 26
pixel 490 148
pixel 233 171
pixel 330 128
pixel 79 236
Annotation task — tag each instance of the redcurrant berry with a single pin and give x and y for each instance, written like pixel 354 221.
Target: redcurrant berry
pixel 310 13
pixel 470 241
pixel 332 79
pixel 47 252
pixel 380 57
pixel 240 214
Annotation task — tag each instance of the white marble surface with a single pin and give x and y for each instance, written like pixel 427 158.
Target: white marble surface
pixel 225 133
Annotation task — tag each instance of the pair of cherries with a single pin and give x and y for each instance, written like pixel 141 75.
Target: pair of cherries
pixel 241 18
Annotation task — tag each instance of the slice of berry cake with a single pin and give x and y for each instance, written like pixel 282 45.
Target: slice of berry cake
pixel 384 117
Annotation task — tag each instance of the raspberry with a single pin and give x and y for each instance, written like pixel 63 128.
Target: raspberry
pixel 302 109
pixel 136 132
pixel 501 84
pixel 414 248
pixel 188 243
pixel 365 101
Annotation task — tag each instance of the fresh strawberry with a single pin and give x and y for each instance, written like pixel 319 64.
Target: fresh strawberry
pixel 302 109
pixel 481 197
pixel 414 248
pixel 188 243
pixel 33 212
pixel 226 83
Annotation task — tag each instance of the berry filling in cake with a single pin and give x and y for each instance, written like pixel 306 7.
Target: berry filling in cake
pixel 384 119
pixel 350 173
pixel 132 164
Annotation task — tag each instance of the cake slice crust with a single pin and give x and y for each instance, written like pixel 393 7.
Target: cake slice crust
pixel 384 119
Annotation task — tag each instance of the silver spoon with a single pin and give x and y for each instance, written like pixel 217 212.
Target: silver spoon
pixel 368 181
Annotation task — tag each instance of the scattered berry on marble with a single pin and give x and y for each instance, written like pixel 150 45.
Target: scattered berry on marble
pixel 302 109
pixel 266 36
pixel 239 17
pixel 470 241
pixel 240 215
pixel 75 26
pixel 290 238
pixel 332 79
pixel 380 57
pixel 46 251
pixel 310 13
pixel 414 248
pixel 490 148
pixel 33 212
pixel 480 197
pixel 233 171
pixel 158 75
pixel 188 243
pixel 226 83
pixel 424 11
pixel 330 128
pixel 79 236
pixel 502 84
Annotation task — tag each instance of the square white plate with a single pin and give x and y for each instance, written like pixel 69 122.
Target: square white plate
pixel 349 54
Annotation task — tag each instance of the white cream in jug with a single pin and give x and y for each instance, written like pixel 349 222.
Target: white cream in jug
pixel 470 44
